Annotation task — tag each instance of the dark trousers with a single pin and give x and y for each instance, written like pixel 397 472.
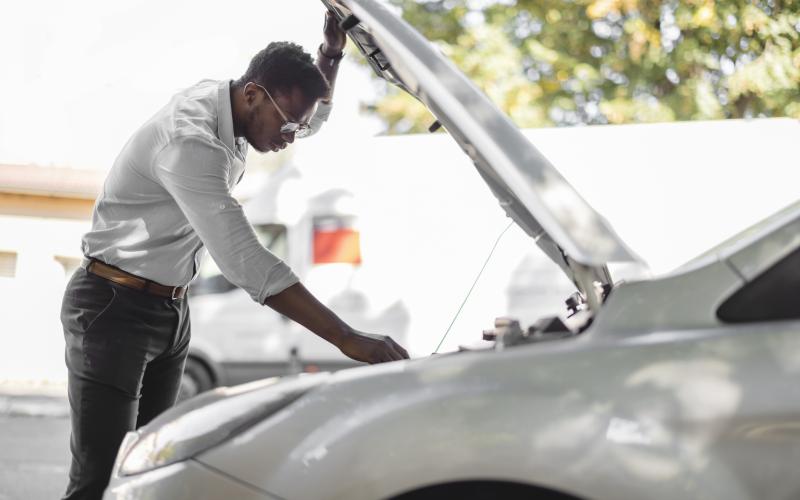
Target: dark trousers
pixel 125 352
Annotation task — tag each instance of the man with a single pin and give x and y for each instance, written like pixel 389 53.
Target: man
pixel 167 197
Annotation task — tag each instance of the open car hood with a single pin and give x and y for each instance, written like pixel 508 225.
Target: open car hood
pixel 529 188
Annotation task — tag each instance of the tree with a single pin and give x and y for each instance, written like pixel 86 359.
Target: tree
pixel 565 62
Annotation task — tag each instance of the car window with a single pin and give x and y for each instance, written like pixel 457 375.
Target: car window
pixel 771 296
pixel 210 279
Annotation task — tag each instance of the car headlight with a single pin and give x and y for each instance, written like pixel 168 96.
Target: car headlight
pixel 207 420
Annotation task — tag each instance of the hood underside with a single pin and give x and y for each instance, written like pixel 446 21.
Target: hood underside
pixel 528 187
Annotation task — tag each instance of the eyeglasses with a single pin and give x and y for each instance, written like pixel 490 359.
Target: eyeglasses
pixel 299 130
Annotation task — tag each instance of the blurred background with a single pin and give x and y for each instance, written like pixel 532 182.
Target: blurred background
pixel 677 120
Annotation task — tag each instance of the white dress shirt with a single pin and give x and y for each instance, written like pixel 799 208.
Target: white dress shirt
pixel 168 195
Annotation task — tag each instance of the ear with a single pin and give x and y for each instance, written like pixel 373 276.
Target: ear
pixel 250 92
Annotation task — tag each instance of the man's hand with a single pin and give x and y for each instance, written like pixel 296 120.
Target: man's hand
pixel 334 37
pixel 297 303
pixel 371 348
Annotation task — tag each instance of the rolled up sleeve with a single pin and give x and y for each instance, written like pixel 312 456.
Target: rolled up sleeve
pixel 195 172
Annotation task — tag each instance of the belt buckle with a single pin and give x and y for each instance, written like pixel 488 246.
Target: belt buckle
pixel 173 297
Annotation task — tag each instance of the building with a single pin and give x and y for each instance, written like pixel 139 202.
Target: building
pixel 43 213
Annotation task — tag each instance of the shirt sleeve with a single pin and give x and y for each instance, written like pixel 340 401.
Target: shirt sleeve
pixel 320 116
pixel 195 172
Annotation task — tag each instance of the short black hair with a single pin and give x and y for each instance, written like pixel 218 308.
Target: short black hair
pixel 285 65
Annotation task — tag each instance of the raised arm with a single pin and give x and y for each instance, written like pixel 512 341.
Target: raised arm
pixel 331 52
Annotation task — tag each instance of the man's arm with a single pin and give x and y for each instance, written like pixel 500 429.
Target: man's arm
pixel 297 303
pixel 331 52
pixel 193 172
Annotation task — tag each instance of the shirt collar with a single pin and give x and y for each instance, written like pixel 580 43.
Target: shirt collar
pixel 225 115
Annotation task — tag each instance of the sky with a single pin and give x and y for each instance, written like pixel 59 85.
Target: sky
pixel 78 78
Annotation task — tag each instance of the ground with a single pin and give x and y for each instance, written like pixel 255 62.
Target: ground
pixel 34 457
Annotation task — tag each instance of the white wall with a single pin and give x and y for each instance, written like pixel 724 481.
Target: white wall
pixel 31 339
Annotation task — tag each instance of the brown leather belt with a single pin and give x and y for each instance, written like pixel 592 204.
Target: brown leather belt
pixel 132 281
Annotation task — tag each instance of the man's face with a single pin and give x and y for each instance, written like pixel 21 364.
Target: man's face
pixel 264 121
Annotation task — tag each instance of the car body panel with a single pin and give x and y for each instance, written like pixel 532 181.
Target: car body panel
pixel 647 402
pixel 187 480
pixel 684 414
pixel 673 302
pixel 757 247
pixel 784 236
pixel 690 296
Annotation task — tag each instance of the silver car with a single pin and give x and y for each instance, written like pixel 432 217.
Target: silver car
pixel 681 386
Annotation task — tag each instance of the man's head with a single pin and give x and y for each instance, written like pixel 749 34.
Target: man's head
pixel 281 84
